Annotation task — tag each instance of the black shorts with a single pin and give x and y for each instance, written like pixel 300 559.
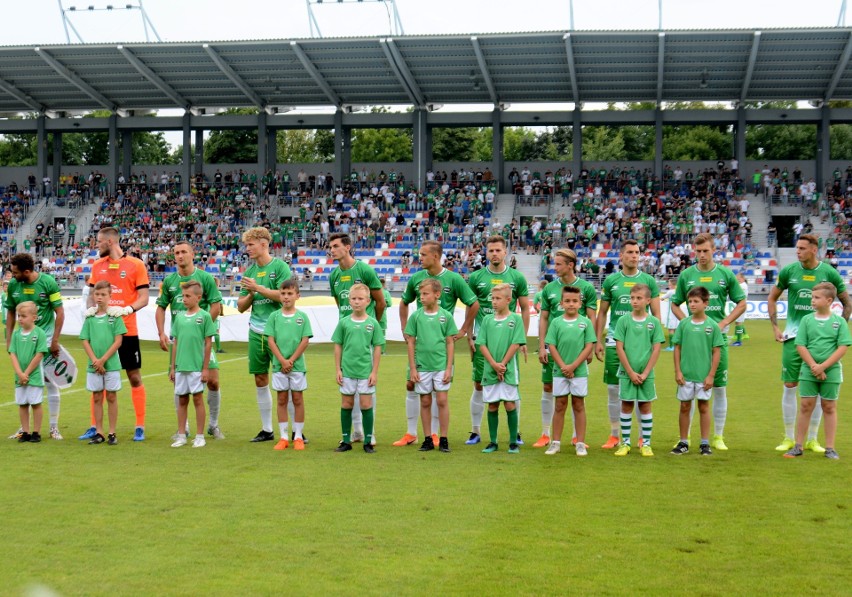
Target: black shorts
pixel 129 354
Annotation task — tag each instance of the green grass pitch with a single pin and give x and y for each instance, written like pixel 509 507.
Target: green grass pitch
pixel 239 518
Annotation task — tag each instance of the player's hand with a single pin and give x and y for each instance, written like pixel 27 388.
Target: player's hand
pixel 339 377
pixel 599 351
pixel 24 379
pixel 523 350
pixel 90 312
pixel 822 376
pixel 679 380
pixel 205 375
pixel 816 369
pixel 371 381
pixel 448 375
pixel 460 335
pixel 708 383
pixel 472 345
pixel 500 375
pixel 635 378
pixel 164 342
pixel 249 284
pixel 171 375
pixel 566 370
pixel 415 376
pixel 54 347
pixel 500 368
pixel 779 335
pixel 543 357
pixel 589 359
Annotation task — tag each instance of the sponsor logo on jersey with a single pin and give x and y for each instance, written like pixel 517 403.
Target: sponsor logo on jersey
pixel 261 274
pixel 629 284
pixel 805 293
pixel 705 279
pixel 112 266
pixel 345 278
pixel 808 278
pixel 29 290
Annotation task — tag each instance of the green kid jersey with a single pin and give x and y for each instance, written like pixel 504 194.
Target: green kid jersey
pixel 497 335
pixel 719 281
pixel 341 281
pixel 26 346
pixel 697 341
pixel 189 332
pixel 358 338
pixel 798 282
pixel 537 299
pixel 269 276
pixel 639 338
pixel 616 291
pixel 430 331
pixel 569 337
pixel 483 280
pixel 100 331
pixel 454 289
pixel 44 292
pixel 171 294
pixel 822 337
pixel 551 297
pixel 288 331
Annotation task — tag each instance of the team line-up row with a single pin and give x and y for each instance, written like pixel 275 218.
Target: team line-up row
pixel 569 332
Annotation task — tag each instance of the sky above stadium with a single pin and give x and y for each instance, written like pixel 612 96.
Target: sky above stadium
pixel 40 21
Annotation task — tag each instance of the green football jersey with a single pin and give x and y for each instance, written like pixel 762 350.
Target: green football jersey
pixel 341 281
pixel 616 291
pixel 798 282
pixel 388 304
pixel 288 331
pixel 44 292
pixel 189 332
pixel 497 335
pixel 822 337
pixel 719 281
pixel 454 289
pixel 639 338
pixel 100 331
pixel 551 297
pixel 483 280
pixel 171 295
pixel 697 341
pixel 430 331
pixel 26 346
pixel 269 276
pixel 358 338
pixel 569 337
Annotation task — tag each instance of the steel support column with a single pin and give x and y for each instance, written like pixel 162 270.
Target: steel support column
pixel 112 142
pixel 497 148
pixel 186 159
pixel 127 154
pixel 658 143
pixel 41 140
pixel 342 149
pixel 198 163
pixel 57 160
pixel 823 170
pixel 422 148
pixel 576 143
pixel 740 139
pixel 262 155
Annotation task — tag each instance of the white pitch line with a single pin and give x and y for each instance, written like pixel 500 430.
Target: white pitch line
pixel 65 393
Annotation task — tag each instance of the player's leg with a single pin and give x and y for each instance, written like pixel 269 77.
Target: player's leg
pixel 297 399
pixel 489 397
pixel 806 408
pixel 791 364
pixel 38 413
pixel 829 408
pixel 625 417
pixel 684 395
pixel 281 386
pixel 214 399
pixel 426 419
pixel 477 404
pixel 812 443
pixel 90 432
pixel 99 413
pixel 578 409
pixel 183 406
pixel 259 362
pixel 442 399
pixel 367 401
pixel 547 405
pixel 412 412
pixel 720 401
pixel 24 416
pixel 112 414
pixel 347 401
pixel 436 416
pixel 200 416
pixel 610 377
pixel 560 406
pixel 646 417
pixel 511 407
pixel 704 424
pixel 53 408
pixel 131 361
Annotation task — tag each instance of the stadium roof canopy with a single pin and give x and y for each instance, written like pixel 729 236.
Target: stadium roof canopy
pixel 515 68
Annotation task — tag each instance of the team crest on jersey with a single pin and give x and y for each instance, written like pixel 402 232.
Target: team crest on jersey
pixel 122 274
pixel 835 326
pixel 369 327
pixel 511 324
pixel 650 325
pixel 722 283
pixel 35 338
pixel 42 295
pixel 271 275
pixel 442 319
pixel 708 331
pixel 299 321
pixel 690 283
pixel 581 326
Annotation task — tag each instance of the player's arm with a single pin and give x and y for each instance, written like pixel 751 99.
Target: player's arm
pixel 469 317
pixel 543 321
pixel 90 298
pixel 487 355
pixel 273 348
pixel 413 375
pixel 652 362
pixel 172 360
pixel 10 326
pixel 205 368
pixel 735 313
pixel 583 356
pixel 622 358
pixel 160 319
pixel 244 301
pixel 451 353
pixel 34 364
pixel 844 299
pixel 772 310
pixel 714 365
pixel 655 307
pixel 403 314
pixel 141 299
pixel 378 296
pixel 377 355
pixel 215 311
pixel 600 326
pixel 524 302
pixel 678 298
pixel 16 366
pixel 338 352
pixel 513 348
pixel 679 380
pixel 116 344
pixel 59 313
